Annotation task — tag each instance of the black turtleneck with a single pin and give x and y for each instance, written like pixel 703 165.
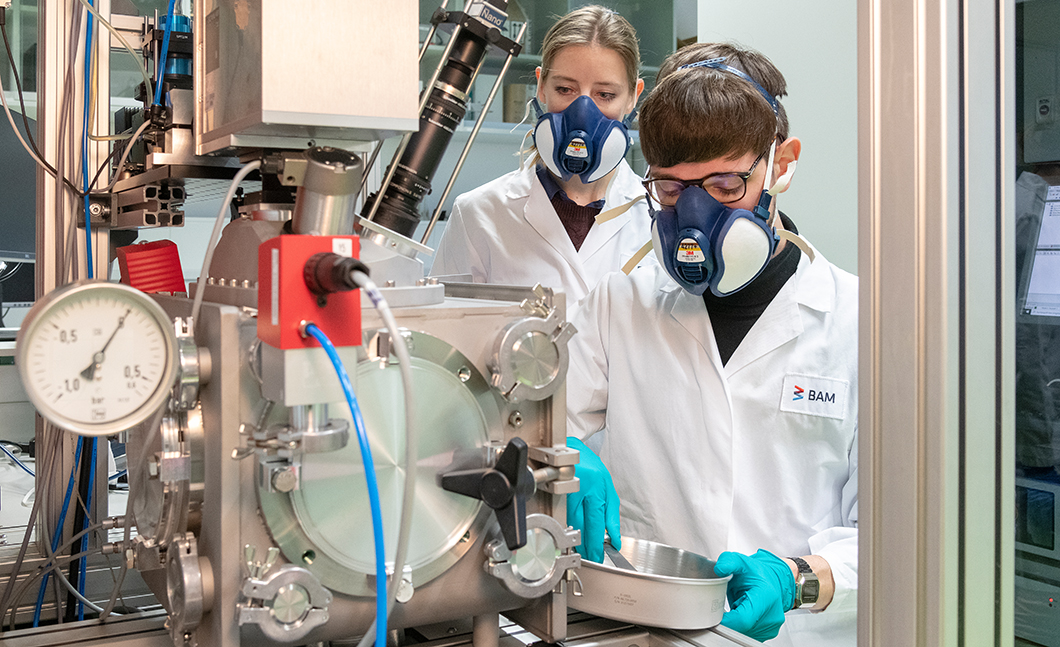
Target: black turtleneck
pixel 733 316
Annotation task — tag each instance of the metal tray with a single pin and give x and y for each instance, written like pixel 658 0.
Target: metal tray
pixel 670 588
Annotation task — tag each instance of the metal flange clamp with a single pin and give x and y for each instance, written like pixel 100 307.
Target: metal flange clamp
pixel 530 357
pixel 286 604
pixel 537 567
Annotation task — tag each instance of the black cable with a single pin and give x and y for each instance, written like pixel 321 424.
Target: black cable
pixel 22 104
pixel 103 166
pixel 80 517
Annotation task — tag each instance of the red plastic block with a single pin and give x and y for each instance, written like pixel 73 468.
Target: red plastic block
pixel 284 301
pixel 152 267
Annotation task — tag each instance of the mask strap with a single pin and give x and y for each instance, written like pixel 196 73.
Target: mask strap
pixel 769 165
pixel 784 180
pixel 782 183
pixel 719 64
pixel 641 253
pixel 611 214
pixel 797 240
pixel 538 110
pixel 526 114
pixel 523 148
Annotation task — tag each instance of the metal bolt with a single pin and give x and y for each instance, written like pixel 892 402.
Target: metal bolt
pixel 516 419
pixel 284 480
pixel 464 374
pixel 404 591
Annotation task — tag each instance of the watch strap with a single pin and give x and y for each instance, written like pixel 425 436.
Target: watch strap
pixel 801 564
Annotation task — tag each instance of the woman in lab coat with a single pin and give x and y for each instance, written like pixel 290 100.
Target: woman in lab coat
pixel 579 211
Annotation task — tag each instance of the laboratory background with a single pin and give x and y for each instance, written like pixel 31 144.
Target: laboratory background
pixel 223 498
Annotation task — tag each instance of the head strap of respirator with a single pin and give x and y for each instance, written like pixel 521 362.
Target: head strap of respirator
pixel 719 64
pixel 580 140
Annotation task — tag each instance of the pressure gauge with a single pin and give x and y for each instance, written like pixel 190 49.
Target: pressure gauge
pixel 96 357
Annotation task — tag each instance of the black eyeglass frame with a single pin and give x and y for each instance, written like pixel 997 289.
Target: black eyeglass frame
pixel 700 183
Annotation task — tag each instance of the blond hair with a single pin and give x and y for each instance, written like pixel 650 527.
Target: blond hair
pixel 593 25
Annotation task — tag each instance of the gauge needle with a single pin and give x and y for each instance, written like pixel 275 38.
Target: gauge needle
pixel 97 359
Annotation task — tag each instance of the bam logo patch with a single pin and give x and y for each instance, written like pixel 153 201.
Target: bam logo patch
pixel 815 396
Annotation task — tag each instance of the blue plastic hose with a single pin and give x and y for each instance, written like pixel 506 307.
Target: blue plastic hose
pixel 373 488
pixel 84 139
pixel 58 531
pixel 161 71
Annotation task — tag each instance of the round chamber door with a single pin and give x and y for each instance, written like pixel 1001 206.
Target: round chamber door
pixel 455 408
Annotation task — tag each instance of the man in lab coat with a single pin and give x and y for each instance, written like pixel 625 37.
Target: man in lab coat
pixel 719 388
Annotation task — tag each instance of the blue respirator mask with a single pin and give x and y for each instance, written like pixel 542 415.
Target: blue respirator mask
pixel 704 244
pixel 580 140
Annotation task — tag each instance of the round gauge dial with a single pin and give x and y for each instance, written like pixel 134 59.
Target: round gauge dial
pixel 96 357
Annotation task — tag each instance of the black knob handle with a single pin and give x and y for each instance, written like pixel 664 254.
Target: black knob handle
pixel 505 488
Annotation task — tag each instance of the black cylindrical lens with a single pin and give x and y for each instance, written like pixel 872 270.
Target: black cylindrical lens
pixel 445 108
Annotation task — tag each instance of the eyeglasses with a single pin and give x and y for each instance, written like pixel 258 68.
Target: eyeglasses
pixel 723 187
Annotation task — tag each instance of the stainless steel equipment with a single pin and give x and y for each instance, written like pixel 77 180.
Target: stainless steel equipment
pixel 252 522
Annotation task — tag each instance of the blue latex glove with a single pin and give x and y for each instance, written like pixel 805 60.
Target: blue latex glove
pixel 594 507
pixel 761 590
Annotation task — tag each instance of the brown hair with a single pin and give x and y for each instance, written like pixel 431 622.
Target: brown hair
pixel 593 25
pixel 701 114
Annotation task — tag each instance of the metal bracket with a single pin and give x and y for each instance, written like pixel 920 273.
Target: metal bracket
pixel 558 477
pixel 557 456
pixel 279 448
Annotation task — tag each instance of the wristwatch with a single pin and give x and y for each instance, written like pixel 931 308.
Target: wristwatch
pixel 807 586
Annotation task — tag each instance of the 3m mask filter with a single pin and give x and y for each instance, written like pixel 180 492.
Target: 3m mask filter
pixel 580 141
pixel 705 244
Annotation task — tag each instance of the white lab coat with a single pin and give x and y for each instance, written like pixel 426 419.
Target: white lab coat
pixel 710 458
pixel 506 231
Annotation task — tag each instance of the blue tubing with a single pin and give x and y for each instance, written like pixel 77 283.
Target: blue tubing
pixel 160 73
pixel 84 141
pixel 373 487
pixel 58 531
pixel 16 461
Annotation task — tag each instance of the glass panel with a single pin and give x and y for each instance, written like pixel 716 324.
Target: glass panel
pixel 1037 581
